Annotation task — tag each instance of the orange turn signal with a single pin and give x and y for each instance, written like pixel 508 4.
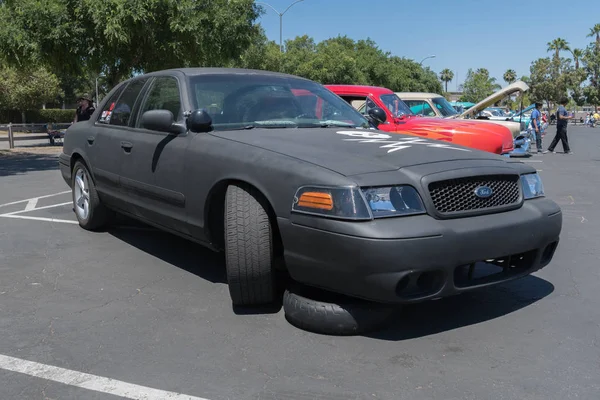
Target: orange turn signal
pixel 319 200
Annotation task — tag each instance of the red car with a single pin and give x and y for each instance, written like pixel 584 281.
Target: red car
pixel 482 136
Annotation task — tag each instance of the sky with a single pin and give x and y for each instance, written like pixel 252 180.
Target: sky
pixel 462 34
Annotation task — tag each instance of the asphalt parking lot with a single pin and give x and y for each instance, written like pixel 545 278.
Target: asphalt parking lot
pixel 134 313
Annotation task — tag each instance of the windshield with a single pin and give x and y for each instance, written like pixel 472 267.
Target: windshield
pixel 443 106
pixel 396 106
pixel 248 101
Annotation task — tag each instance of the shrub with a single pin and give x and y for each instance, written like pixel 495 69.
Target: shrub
pixel 55 115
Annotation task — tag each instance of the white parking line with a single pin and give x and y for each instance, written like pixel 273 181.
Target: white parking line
pixel 34 198
pixel 88 381
pixel 35 209
pixel 63 221
pixel 31 204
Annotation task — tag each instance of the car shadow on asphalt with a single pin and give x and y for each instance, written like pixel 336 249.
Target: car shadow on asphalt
pixel 188 256
pixel 432 317
pixel 15 163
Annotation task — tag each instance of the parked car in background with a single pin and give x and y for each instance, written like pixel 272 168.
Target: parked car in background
pixel 428 104
pixel 472 113
pixel 524 116
pixel 400 119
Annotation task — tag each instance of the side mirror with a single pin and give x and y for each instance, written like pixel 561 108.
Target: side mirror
pixel 160 120
pixel 199 121
pixel 378 115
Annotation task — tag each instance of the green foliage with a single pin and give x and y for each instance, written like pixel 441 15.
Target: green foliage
pixel 38 116
pixel 27 88
pixel 56 115
pixel 340 60
pixel 591 60
pixel 446 76
pixel 478 85
pixel 120 37
pixel 510 76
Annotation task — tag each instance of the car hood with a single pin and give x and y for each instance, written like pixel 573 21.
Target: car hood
pixel 518 86
pixel 354 151
pixel 439 125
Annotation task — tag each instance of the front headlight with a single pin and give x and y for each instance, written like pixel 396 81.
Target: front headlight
pixel 532 186
pixel 358 204
pixel 340 202
pixel 393 201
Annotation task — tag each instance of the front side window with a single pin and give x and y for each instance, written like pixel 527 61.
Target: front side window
pixel 255 101
pixel 420 107
pixel 444 107
pixel 164 95
pixel 397 107
pixel 121 113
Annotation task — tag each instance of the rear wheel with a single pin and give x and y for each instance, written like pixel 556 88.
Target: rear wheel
pixel 248 247
pixel 90 212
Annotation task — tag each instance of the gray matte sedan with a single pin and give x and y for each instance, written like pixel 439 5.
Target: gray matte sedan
pixel 278 172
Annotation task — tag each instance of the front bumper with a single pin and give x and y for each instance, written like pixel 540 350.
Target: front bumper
pixel 412 259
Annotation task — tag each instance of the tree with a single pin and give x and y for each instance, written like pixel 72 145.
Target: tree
pixel 558 45
pixel 446 76
pixel 27 88
pixel 552 79
pixel 577 55
pixel 591 61
pixel 510 76
pixel 120 37
pixel 478 85
pixel 343 60
pixel 595 31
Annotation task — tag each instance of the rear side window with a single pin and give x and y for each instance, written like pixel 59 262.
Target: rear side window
pixel 164 95
pixel 122 110
pixel 104 117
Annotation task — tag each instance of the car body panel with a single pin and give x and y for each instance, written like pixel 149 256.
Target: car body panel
pixel 177 181
pixel 483 137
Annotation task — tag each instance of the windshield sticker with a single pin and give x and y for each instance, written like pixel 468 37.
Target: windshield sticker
pixel 393 145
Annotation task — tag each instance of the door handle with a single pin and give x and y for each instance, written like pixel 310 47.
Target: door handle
pixel 126 146
pixel 90 139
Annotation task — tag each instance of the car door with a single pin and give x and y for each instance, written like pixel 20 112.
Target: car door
pixel 102 151
pixel 152 171
pixel 113 131
pixel 363 104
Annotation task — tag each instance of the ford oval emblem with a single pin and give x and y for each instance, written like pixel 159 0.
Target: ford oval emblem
pixel 483 192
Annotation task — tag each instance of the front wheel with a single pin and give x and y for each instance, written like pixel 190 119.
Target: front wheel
pixel 248 248
pixel 90 212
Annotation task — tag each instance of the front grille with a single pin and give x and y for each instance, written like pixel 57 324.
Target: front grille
pixel 458 195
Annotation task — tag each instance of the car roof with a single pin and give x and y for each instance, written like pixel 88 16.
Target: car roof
pixel 361 88
pixel 222 71
pixel 417 95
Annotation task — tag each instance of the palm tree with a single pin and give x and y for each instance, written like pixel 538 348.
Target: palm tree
pixel 577 55
pixel 446 76
pixel 558 45
pixel 595 31
pixel 510 76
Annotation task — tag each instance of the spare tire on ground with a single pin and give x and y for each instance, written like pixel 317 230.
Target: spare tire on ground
pixel 328 313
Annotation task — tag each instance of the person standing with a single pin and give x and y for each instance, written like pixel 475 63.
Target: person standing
pixel 85 109
pixel 536 126
pixel 562 118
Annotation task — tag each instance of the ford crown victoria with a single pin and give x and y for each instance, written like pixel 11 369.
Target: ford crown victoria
pixel 279 173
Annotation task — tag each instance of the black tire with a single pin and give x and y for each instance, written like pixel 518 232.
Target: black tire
pixel 98 214
pixel 323 312
pixel 248 248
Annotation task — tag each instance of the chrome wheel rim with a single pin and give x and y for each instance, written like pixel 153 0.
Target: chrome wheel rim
pixel 82 194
